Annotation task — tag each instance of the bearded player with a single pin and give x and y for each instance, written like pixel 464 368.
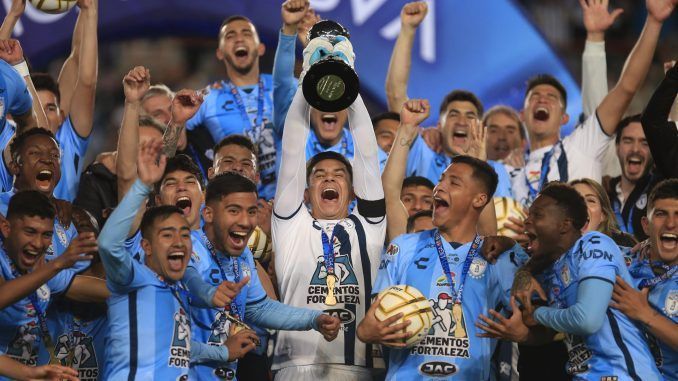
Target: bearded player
pixel 446 265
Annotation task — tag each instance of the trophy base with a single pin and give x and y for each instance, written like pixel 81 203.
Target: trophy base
pixel 330 85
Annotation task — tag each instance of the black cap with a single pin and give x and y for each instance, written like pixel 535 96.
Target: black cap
pixel 327 28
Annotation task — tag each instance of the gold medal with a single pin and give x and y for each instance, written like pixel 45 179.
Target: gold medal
pixel 330 299
pixel 458 315
pixel 237 326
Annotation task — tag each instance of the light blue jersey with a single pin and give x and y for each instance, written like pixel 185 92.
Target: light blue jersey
pixel 221 116
pixel 7 132
pixel 209 324
pixel 133 247
pixel 423 161
pixel 664 298
pixel 618 350
pixel 451 350
pixel 73 149
pixel 150 330
pixel 344 146
pixel 14 96
pixel 80 342
pixel 20 333
pixel 60 240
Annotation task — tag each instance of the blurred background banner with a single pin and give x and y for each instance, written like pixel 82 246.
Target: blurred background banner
pixel 487 46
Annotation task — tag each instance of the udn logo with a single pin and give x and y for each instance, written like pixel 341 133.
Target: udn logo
pixel 346 316
pixel 438 369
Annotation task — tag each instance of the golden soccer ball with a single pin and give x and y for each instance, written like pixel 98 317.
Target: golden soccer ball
pixel 261 245
pixel 506 207
pixel 414 307
pixel 53 6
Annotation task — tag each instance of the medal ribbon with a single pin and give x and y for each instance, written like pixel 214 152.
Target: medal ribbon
pixel 669 272
pixel 328 249
pixel 254 132
pixel 442 256
pixel 546 167
pixel 233 308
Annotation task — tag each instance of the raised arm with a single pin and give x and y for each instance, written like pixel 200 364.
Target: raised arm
pixel 366 173
pixel 135 84
pixel 398 72
pixel 81 107
pixel 292 177
pixel 68 76
pixel 284 84
pixel 11 18
pixel 662 135
pixel 597 19
pixel 413 112
pixel 116 260
pixel 635 70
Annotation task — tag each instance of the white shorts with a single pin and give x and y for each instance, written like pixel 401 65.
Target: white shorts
pixel 320 372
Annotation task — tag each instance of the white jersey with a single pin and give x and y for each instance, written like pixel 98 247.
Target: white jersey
pixel 584 153
pixel 299 265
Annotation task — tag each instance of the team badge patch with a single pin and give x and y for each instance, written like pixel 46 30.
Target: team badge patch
pixel 246 271
pixel 392 250
pixel 61 233
pixel 565 276
pixel 478 267
pixel 671 304
pixel 642 201
pixel 43 293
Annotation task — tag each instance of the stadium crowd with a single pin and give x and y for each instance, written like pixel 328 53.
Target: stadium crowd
pixel 239 233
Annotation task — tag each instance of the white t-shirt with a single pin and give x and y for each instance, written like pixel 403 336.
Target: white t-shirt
pixel 299 264
pixel 584 149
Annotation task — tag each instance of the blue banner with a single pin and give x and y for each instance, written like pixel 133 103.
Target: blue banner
pixel 487 46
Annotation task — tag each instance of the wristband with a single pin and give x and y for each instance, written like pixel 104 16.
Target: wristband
pixel 22 69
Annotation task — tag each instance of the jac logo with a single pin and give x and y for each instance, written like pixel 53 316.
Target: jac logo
pixel 438 369
pixel 346 316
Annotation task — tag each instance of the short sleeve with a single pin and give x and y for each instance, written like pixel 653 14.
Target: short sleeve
pixel 140 276
pixel 69 140
pixel 21 101
pixel 596 257
pixel 255 291
pixel 589 137
pixel 61 282
pixel 388 267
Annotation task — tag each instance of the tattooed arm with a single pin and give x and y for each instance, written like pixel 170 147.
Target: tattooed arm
pixel 184 105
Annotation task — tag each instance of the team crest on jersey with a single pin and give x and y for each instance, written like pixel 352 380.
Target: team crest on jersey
pixel 448 335
pixel 43 293
pixel 642 201
pixel 392 250
pixel 61 234
pixel 79 355
pixel 477 268
pixel 246 271
pixel 565 276
pixel 22 347
pixel 219 329
pixel 671 304
pixel 181 341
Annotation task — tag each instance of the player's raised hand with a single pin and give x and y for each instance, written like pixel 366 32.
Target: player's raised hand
pixel 80 249
pixel 494 246
pixel 660 10
pixel 413 14
pixel 597 17
pixel 11 51
pixel 310 19
pixel 136 83
pixel 17 8
pixel 499 327
pixel 328 326
pixel 240 343
pixel 86 4
pixel 53 373
pixel 476 144
pixel 371 330
pixel 227 291
pixel 414 111
pixel 151 162
pixel 185 104
pixel 292 12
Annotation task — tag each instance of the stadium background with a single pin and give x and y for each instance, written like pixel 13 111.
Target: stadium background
pixel 488 46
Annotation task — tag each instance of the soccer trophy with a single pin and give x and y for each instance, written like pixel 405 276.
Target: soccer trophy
pixel 330 84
